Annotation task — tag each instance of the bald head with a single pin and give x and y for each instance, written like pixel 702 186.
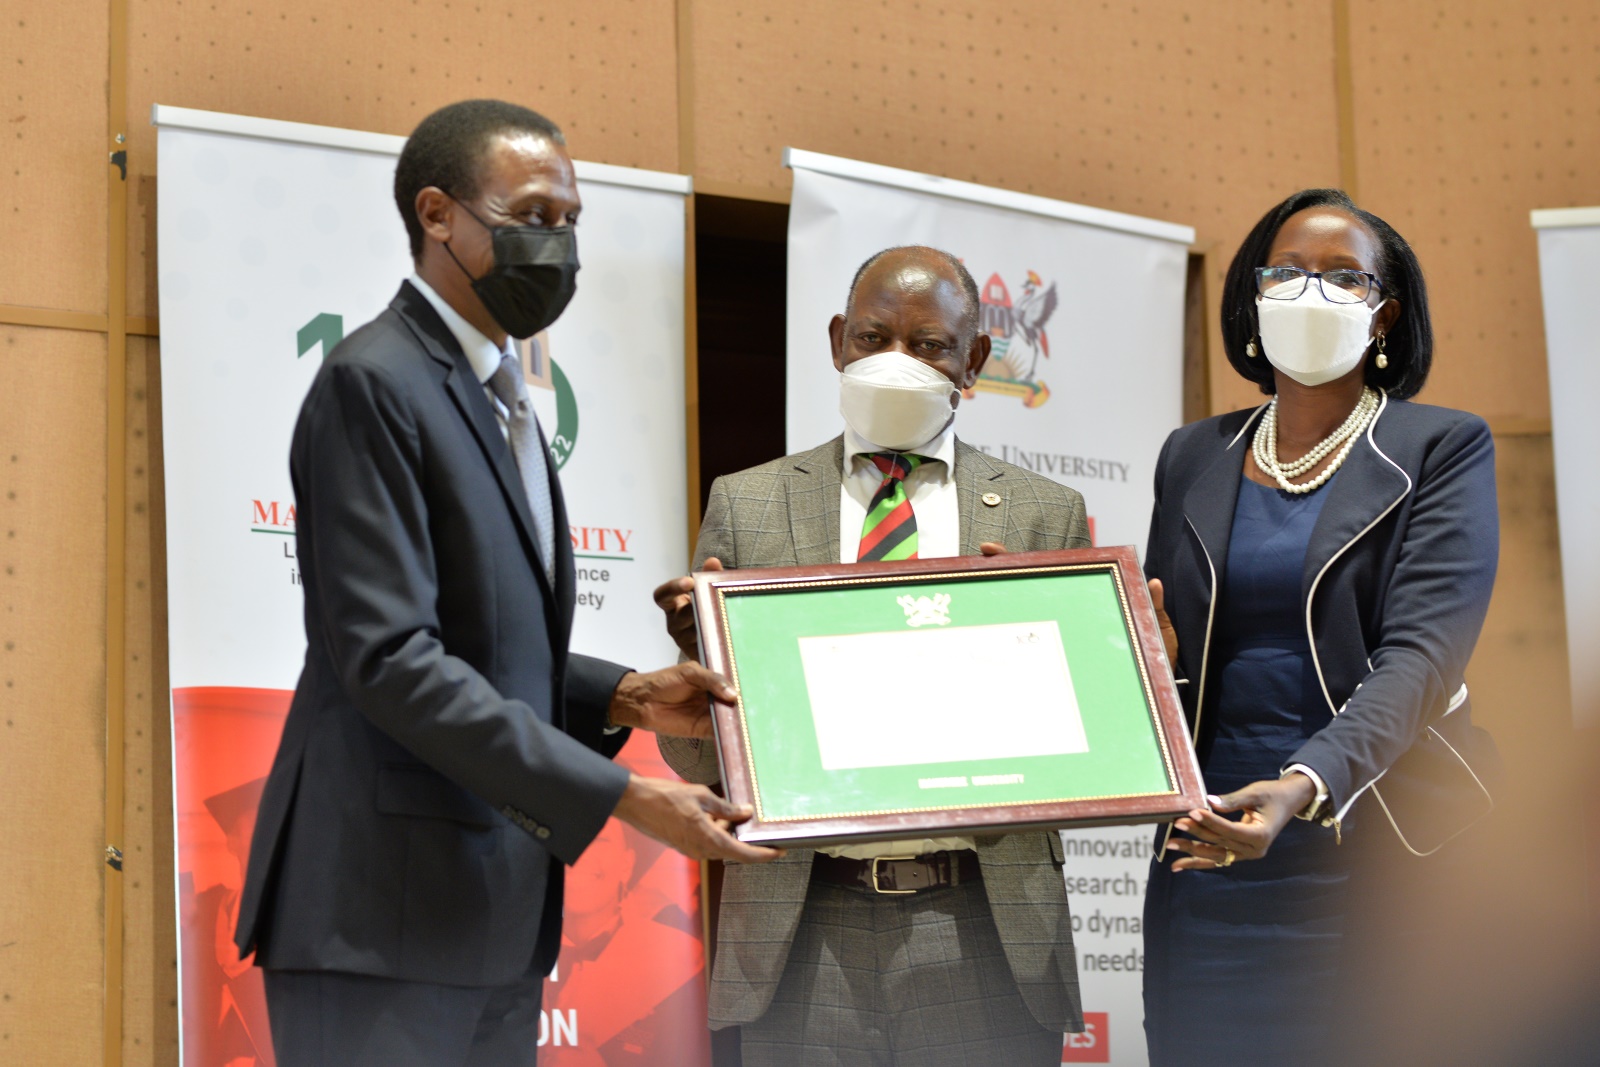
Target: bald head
pixel 918 301
pixel 920 267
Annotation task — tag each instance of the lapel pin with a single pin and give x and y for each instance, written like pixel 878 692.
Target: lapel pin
pixel 991 500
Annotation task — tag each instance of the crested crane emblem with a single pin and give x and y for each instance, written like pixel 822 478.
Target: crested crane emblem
pixel 1019 337
pixel 926 610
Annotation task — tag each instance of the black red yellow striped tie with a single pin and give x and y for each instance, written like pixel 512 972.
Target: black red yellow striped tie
pixel 890 531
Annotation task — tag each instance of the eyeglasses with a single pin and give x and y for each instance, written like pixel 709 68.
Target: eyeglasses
pixel 1337 286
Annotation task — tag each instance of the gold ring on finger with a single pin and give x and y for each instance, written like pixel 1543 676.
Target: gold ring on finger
pixel 1227 858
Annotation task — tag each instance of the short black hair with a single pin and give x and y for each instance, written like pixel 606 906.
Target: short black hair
pixel 969 287
pixel 447 148
pixel 1409 342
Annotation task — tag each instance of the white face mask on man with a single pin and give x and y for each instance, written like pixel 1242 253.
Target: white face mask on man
pixel 1312 340
pixel 895 401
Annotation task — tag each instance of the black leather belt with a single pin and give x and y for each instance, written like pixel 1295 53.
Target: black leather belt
pixel 898 875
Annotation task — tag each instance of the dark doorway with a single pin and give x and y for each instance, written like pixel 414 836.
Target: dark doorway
pixel 740 280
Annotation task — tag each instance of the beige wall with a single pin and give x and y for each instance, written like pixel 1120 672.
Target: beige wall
pixel 1458 117
pixel 52 532
pixel 1468 114
pixel 604 69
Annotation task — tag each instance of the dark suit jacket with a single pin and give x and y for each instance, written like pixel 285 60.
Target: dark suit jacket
pixel 1396 584
pixel 444 755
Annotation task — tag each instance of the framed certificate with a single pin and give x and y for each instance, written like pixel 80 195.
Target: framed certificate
pixel 967 695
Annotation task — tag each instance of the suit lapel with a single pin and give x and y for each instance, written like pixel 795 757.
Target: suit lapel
pixel 1366 487
pixel 977 474
pixel 564 570
pixel 813 497
pixel 467 393
pixel 1208 511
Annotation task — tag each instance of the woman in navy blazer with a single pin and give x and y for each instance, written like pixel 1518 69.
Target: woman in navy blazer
pixel 1326 560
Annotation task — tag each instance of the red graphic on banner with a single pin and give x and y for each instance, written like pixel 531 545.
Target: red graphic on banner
pixel 1094 1044
pixel 629 983
pixel 223 743
pixel 628 988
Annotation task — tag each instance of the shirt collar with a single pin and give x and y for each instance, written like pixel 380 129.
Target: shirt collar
pixel 941 448
pixel 481 353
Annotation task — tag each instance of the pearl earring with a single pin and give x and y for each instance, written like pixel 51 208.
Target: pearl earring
pixel 1250 350
pixel 1382 361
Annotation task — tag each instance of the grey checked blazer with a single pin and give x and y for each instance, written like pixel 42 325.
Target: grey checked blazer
pixel 786 513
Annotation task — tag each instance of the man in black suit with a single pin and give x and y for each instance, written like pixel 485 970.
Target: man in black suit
pixel 445 755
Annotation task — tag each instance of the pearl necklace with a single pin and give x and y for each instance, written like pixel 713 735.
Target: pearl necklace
pixel 1265 446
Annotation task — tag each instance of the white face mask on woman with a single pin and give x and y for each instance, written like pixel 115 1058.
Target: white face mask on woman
pixel 895 401
pixel 1312 340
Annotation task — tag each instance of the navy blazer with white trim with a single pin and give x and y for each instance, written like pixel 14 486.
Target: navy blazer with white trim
pixel 1397 579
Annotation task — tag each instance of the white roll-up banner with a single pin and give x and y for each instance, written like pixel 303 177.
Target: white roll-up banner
pixel 276 239
pixel 1569 263
pixel 1085 308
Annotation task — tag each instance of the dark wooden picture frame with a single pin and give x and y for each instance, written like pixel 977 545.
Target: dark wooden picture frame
pixel 715 589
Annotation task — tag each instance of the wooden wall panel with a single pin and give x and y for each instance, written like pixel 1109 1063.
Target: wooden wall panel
pixel 605 70
pixel 150 990
pixel 1468 114
pixel 1146 108
pixel 52 694
pixel 53 165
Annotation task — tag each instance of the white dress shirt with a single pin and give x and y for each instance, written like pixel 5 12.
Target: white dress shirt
pixel 931 488
pixel 482 355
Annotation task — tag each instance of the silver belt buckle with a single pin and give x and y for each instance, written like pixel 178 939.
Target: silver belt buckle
pixel 877 888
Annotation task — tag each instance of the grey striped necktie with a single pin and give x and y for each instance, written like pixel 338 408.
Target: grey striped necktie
pixel 532 461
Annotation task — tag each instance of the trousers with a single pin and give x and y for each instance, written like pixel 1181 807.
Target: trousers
pixel 883 981
pixel 333 1019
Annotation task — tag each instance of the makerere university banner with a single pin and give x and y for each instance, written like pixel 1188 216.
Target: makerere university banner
pixel 1085 308
pixel 275 240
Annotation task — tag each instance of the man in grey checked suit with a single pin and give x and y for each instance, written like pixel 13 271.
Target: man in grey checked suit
pixel 815 966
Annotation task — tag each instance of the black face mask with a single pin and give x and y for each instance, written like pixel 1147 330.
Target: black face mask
pixel 533 278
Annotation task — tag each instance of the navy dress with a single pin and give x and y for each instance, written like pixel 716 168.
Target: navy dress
pixel 1241 962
